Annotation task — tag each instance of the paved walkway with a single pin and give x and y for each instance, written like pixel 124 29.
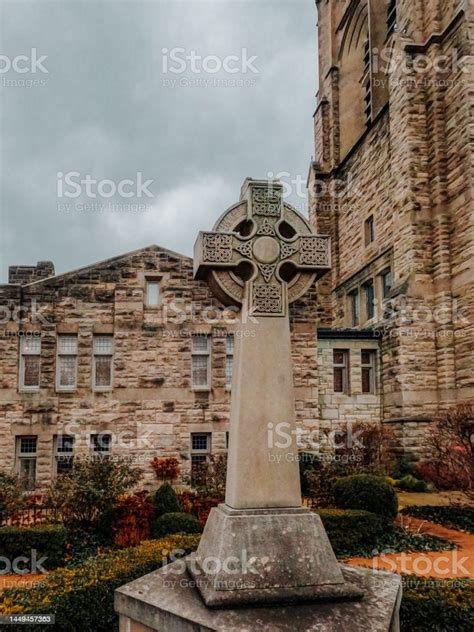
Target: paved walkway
pixel 437 564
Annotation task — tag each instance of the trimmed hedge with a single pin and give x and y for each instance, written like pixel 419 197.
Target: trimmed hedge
pixel 437 605
pixel 166 501
pixel 451 517
pixel 367 493
pixel 48 540
pixel 349 530
pixel 175 522
pixel 83 598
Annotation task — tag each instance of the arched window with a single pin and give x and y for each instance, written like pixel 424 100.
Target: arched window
pixel 355 91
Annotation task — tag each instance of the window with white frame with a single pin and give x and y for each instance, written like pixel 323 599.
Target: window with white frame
pixel 229 360
pixel 201 362
pixel 26 457
pixel 152 293
pixel 341 371
pixel 200 448
pixel 30 363
pixel 368 360
pixel 103 362
pixel 101 444
pixel 66 374
pixel 64 453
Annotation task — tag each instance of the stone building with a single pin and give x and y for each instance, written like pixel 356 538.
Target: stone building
pixel 391 183
pixel 132 357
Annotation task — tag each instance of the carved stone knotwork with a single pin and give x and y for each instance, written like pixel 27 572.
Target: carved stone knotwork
pixel 217 248
pixel 267 299
pixel 267 271
pixel 266 200
pixel 245 249
pixel 252 232
pixel 314 251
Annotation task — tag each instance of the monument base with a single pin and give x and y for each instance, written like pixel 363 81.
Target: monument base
pixel 167 601
pixel 260 556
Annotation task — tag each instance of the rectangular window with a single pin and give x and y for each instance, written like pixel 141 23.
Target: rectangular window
pixel 152 293
pixel 66 376
pixel 30 363
pixel 26 455
pixel 64 453
pixel 341 370
pixel 369 300
pixel 368 359
pixel 354 307
pixel 201 362
pixel 386 282
pixel 103 362
pixel 200 448
pixel 101 444
pixel 229 360
pixel 369 230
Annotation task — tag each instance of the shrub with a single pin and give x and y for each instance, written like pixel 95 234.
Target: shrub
pixel 410 483
pixel 439 605
pixel 131 519
pixel 166 469
pixel 450 441
pixel 47 540
pixel 12 493
pixel 455 517
pixel 83 598
pixel 349 530
pixel 85 497
pixel 208 478
pixel 166 501
pixel 366 492
pixel 199 507
pixel 175 523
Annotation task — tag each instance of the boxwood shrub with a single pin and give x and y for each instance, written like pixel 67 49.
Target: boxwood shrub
pixel 437 605
pixel 175 522
pixel 166 501
pixel 48 540
pixel 82 598
pixel 367 493
pixel 349 530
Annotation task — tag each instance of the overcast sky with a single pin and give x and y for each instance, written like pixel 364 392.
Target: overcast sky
pixel 107 103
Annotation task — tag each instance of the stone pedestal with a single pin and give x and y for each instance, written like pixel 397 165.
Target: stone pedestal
pixel 167 601
pixel 267 556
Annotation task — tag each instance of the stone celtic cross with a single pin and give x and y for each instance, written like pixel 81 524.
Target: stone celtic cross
pixel 262 253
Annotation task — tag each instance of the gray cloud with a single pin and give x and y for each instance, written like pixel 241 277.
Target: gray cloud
pixel 105 111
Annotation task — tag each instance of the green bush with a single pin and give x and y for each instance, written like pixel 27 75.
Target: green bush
pixel 12 495
pixel 175 522
pixel 166 501
pixel 410 483
pixel 83 598
pixel 349 530
pixel 452 517
pixel 367 493
pixel 437 605
pixel 47 540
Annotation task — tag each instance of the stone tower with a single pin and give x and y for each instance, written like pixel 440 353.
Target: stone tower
pixel 391 183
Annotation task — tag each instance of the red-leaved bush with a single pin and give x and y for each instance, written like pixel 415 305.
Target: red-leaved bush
pixel 166 469
pixel 132 519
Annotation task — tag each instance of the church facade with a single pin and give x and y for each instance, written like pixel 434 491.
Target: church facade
pixel 132 357
pixel 391 183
